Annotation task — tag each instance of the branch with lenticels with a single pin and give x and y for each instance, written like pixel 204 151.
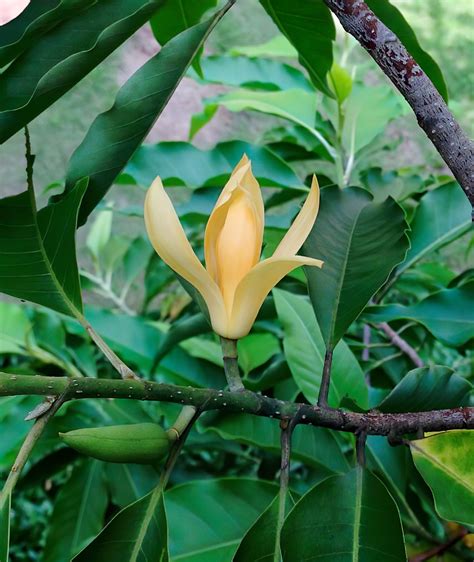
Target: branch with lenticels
pixel 371 423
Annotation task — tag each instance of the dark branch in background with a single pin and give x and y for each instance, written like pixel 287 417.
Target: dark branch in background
pixel 439 549
pixel 325 380
pixel 432 113
pixel 402 344
pixel 372 423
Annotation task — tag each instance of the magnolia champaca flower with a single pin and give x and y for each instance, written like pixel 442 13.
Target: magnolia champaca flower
pixel 234 282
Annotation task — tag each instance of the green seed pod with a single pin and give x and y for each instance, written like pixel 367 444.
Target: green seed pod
pixel 141 443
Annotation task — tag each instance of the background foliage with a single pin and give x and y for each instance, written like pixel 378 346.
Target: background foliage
pixel 248 91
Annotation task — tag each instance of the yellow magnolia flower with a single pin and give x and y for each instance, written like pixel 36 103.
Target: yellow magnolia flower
pixel 234 282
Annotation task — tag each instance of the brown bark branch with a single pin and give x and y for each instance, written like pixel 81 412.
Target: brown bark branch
pixel 438 549
pixel 432 113
pixel 402 344
pixel 372 423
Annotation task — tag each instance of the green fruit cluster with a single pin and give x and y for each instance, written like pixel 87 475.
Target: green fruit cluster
pixel 142 443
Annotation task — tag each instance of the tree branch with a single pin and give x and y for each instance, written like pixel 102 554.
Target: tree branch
pixel 372 423
pixel 325 380
pixel 432 113
pixel 402 344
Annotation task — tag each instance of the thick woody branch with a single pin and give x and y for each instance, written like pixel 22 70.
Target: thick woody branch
pixel 372 423
pixel 432 113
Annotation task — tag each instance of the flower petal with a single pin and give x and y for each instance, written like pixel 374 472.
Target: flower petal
pixel 255 286
pixel 302 225
pixel 242 179
pixel 171 244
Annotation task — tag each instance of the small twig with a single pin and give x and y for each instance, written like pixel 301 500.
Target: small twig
pixel 105 290
pixel 402 344
pixel 30 441
pixel 124 370
pixel 231 366
pixel 366 340
pixel 185 416
pixel 287 427
pixel 325 380
pixel 439 549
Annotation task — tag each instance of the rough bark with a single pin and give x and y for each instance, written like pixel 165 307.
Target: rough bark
pixel 371 423
pixel 431 111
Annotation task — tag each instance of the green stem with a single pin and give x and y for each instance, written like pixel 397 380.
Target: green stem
pixel 28 444
pixel 231 366
pixel 374 423
pixel 181 423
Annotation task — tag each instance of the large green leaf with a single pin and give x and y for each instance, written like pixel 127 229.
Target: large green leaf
pixel 260 541
pixel 295 105
pixel 36 20
pixel 58 60
pixel 445 462
pixel 344 519
pixel 4 527
pixel 180 163
pixel 130 482
pixel 138 533
pixel 174 16
pixel 447 314
pixel 115 135
pixel 304 350
pixel 427 388
pixel 78 513
pixel 442 216
pixel 259 73
pixel 309 26
pixel 392 18
pixel 38 258
pixel 360 242
pixel 315 446
pixel 208 518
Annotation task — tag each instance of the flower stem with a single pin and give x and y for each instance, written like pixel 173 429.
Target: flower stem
pixel 231 366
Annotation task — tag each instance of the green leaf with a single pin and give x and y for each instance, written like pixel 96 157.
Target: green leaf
pixel 15 328
pixel 40 262
pixel 54 63
pixel 360 242
pixel 345 518
pixel 206 167
pixel 393 18
pixel 447 314
pixel 259 543
pixel 445 462
pixel 208 518
pixel 309 27
pixel 367 113
pixel 259 73
pixel 5 504
pixel 315 446
pixel 304 350
pixel 180 331
pixel 115 135
pixel 35 20
pixel 443 215
pixel 78 512
pixel 100 232
pixel 340 82
pixel 256 349
pixel 427 388
pixel 138 533
pixel 295 105
pixel 174 16
pixel 277 46
pixel 136 259
pixel 130 482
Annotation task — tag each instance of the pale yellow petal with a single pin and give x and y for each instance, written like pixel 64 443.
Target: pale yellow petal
pixel 302 225
pixel 242 180
pixel 171 244
pixel 255 286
